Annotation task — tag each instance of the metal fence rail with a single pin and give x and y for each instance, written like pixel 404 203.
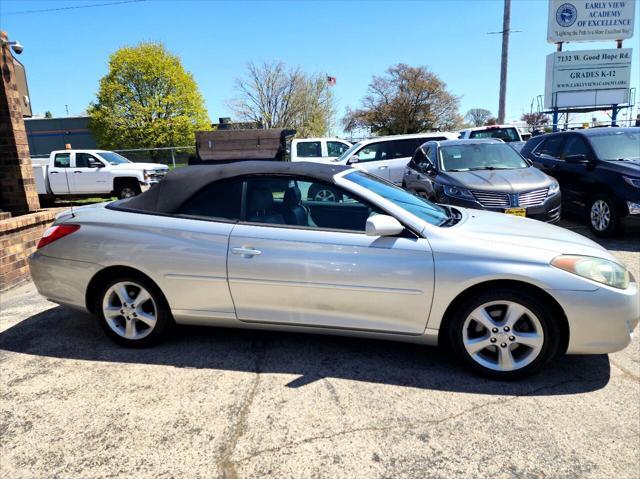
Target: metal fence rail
pixel 174 156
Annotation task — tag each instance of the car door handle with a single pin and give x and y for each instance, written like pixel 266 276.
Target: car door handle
pixel 246 251
pixel 382 167
pixel 53 172
pixel 77 171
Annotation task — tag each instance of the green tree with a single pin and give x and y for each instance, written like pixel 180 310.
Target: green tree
pixel 48 114
pixel 147 100
pixel 405 100
pixel 277 96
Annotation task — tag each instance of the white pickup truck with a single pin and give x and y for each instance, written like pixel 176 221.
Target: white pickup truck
pixel 93 173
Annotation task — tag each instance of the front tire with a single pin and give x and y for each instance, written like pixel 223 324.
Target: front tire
pixel 324 194
pixel 504 334
pixel 128 189
pixel 133 311
pixel 603 216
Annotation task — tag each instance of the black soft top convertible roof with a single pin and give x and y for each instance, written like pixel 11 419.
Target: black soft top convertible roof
pixel 180 184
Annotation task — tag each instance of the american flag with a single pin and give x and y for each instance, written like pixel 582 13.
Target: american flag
pixel 331 80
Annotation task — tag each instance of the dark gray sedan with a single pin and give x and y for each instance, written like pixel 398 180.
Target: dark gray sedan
pixel 482 174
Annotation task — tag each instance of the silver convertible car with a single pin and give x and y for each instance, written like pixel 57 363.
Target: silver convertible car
pixel 236 246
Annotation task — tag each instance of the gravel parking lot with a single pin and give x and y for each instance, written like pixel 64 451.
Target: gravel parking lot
pixel 226 403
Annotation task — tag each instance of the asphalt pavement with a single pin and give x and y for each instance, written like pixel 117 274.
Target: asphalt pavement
pixel 227 403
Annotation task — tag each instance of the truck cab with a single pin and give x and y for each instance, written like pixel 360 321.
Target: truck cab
pixel 94 173
pixel 318 150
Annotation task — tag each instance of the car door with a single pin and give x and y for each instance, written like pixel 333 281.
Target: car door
pixel 373 158
pixel 87 177
pixel 399 153
pixel 59 177
pixel 546 156
pixel 327 273
pixel 576 179
pixel 421 171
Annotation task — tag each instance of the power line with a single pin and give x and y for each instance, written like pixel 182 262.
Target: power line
pixel 75 7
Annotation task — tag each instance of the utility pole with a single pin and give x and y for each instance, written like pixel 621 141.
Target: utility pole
pixel 506 22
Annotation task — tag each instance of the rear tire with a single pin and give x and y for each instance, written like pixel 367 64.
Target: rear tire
pixel 133 311
pixel 603 216
pixel 504 334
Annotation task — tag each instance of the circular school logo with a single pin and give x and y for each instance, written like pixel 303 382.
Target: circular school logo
pixel 566 15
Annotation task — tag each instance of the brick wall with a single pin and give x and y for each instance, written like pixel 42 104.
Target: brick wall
pixel 17 186
pixel 18 239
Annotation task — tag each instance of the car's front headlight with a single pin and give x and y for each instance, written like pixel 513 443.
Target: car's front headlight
pixel 456 192
pixel 553 189
pixel 146 174
pixel 596 269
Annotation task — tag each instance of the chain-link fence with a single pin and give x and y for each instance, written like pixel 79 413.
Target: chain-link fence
pixel 174 157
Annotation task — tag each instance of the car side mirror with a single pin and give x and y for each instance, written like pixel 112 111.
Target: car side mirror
pixel 383 225
pixel 577 159
pixel 95 164
pixel 427 167
pixel 353 159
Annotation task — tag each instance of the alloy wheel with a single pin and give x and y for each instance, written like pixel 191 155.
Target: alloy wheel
pixel 600 215
pixel 503 336
pixel 325 195
pixel 129 310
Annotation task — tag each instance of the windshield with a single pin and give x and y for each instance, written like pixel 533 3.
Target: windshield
pixel 423 209
pixel 113 158
pixel 504 134
pixel 480 156
pixel 348 153
pixel 621 145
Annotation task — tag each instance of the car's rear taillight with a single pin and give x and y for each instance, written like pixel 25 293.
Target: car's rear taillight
pixel 55 233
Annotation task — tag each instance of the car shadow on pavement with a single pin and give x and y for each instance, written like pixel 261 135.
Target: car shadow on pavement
pixel 62 333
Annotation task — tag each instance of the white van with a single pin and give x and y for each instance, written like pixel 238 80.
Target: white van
pixel 386 156
pixel 506 133
pixel 318 149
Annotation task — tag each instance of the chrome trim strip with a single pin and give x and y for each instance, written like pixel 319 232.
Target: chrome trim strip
pixel 300 284
pixel 194 277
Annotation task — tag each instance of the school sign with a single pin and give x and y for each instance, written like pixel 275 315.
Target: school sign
pixel 586 21
pixel 588 77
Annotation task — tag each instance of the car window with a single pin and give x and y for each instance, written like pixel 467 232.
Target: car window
pixel 218 200
pixel 419 207
pixel 300 202
pixel 402 148
pixel 307 149
pixel 373 152
pixel 472 156
pixel 504 134
pixel 576 146
pixel 617 144
pixel 113 158
pixel 62 160
pixel 336 148
pixel 422 157
pixel 551 147
pixel 83 160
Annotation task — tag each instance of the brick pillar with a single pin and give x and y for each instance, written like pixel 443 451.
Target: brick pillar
pixel 17 186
